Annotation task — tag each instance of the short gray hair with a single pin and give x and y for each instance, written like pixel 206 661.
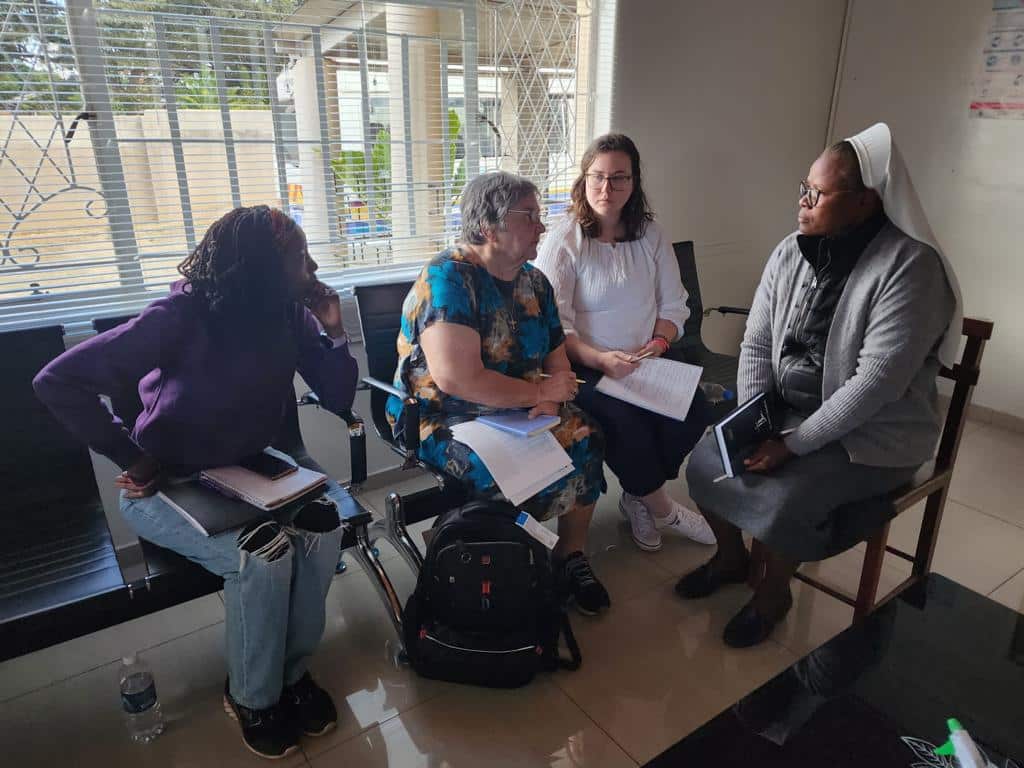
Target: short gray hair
pixel 486 201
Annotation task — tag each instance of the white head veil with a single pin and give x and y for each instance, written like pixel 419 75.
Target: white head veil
pixel 883 171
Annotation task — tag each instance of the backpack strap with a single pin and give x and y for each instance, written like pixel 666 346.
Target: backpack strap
pixel 576 659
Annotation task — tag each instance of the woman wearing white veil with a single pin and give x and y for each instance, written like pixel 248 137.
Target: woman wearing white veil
pixel 853 316
pixel 883 170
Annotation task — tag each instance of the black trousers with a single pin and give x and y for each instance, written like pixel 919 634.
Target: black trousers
pixel 644 449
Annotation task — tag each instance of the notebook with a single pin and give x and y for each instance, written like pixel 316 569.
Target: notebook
pixel 229 497
pixel 262 492
pixel 659 385
pixel 521 466
pixel 742 431
pixel 516 422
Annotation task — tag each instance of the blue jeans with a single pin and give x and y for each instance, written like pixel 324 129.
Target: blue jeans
pixel 273 597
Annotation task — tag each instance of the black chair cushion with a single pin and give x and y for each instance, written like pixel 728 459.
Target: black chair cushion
pixel 54 555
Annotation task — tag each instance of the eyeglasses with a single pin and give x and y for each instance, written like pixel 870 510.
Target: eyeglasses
pixel 533 214
pixel 813 194
pixel 619 181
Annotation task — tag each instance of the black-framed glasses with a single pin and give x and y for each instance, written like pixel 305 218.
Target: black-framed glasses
pixel 619 182
pixel 813 194
pixel 533 214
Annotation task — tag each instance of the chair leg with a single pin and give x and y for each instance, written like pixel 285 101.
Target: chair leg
pixel 929 536
pixel 871 573
pixel 379 579
pixel 397 534
pixel 758 562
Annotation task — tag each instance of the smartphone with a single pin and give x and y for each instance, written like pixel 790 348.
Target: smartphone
pixel 268 466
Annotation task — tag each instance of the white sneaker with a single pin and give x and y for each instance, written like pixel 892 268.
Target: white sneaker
pixel 686 522
pixel 641 523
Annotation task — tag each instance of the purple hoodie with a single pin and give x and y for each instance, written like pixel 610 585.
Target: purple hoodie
pixel 211 393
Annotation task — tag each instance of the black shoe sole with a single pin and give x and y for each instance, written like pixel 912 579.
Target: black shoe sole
pixel 234 716
pixel 586 611
pixel 723 581
pixel 322 732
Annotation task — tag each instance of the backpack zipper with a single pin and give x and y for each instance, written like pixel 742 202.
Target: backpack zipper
pixel 427 636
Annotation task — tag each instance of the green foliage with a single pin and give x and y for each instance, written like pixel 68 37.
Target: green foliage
pixel 457 165
pixel 130 53
pixel 350 170
pixel 198 90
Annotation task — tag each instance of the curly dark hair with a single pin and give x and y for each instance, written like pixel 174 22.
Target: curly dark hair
pixel 238 266
pixel 636 213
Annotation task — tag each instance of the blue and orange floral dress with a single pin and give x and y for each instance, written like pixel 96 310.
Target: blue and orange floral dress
pixel 518 326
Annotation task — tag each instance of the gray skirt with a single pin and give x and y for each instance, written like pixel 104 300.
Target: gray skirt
pixel 805 510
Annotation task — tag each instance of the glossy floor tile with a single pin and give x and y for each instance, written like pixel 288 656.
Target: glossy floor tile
pixel 1011 594
pixel 974 548
pixel 78 721
pixel 988 473
pixel 27 673
pixel 654 666
pixel 533 726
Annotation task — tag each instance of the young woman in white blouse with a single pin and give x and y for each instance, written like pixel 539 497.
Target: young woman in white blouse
pixel 619 294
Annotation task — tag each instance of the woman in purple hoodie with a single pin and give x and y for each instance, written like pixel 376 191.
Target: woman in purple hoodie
pixel 214 364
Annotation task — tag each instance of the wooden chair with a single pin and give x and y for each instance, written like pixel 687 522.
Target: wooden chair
pixel 931 483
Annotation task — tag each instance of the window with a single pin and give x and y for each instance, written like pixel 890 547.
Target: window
pixel 126 130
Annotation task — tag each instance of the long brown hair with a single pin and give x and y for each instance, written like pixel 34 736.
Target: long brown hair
pixel 635 213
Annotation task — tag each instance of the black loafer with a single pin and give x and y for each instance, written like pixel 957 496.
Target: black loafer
pixel 706 580
pixel 749 627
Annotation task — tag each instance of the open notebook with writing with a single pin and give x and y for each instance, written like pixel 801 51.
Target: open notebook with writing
pixel 659 385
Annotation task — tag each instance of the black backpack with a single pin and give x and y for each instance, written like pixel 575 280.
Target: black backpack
pixel 485 610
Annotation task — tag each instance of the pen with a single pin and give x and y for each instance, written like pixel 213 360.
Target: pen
pixel 548 376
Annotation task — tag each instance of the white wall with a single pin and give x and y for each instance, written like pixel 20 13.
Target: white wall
pixel 728 103
pixel 911 64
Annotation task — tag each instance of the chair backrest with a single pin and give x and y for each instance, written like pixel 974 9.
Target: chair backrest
pixel 690 338
pixel 42 461
pixel 965 376
pixel 380 319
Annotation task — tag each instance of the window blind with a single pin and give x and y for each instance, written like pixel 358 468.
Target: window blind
pixel 128 126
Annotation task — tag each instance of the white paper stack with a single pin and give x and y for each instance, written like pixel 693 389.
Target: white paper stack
pixel 522 466
pixel 659 385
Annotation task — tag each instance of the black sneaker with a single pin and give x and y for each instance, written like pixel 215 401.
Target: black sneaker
pixel 269 732
pixel 309 706
pixel 581 585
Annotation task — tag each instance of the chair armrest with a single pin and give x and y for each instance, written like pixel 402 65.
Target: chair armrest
pixel 384 387
pixel 356 436
pixel 725 310
pixel 410 419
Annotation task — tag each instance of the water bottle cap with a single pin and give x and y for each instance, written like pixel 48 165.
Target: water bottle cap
pixel 128 660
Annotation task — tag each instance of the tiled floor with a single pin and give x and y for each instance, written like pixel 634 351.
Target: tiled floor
pixel 654 667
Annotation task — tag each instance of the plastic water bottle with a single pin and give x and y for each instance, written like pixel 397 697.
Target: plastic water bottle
pixel 716 393
pixel 141 707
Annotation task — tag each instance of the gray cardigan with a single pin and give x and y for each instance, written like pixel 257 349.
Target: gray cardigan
pixel 878 389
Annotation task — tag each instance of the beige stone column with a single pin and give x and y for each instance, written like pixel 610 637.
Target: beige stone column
pixel 311 158
pixel 417 227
